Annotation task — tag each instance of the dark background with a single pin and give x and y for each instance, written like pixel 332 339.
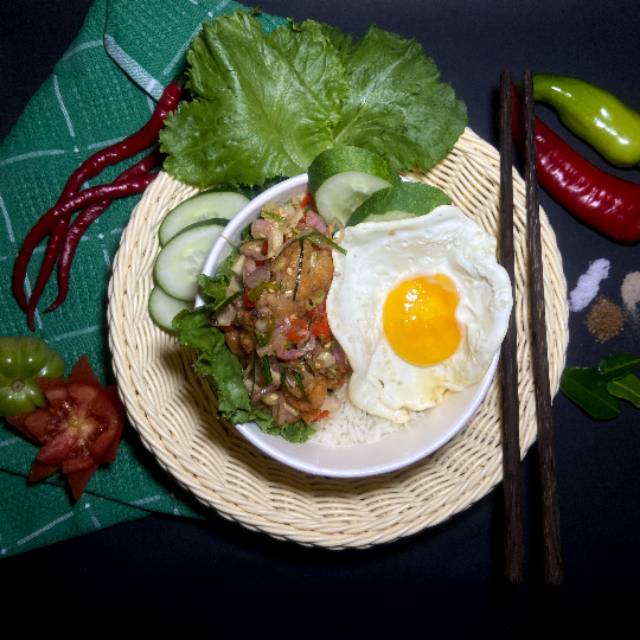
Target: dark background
pixel 446 579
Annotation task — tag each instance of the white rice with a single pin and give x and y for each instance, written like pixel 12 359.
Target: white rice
pixel 349 425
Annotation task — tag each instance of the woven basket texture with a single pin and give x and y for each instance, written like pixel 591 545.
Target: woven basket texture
pixel 172 408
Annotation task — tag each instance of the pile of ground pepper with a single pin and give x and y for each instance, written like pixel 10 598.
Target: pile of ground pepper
pixel 605 319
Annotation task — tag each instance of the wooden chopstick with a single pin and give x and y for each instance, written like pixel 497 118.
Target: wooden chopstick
pixel 513 533
pixel 553 568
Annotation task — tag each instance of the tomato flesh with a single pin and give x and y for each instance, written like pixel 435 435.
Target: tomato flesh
pixel 298 331
pixel 79 430
pixel 306 199
pixel 320 323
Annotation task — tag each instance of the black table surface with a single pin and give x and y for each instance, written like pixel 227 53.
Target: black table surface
pixel 447 578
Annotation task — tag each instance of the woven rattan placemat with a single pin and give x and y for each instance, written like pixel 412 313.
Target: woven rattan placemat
pixel 171 407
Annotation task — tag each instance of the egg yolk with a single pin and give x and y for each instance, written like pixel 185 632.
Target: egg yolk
pixel 419 319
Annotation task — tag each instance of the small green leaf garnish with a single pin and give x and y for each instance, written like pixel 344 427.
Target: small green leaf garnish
pixel 217 308
pixel 300 383
pixel 274 217
pixel 256 292
pixel 317 237
pixel 299 269
pixel 266 369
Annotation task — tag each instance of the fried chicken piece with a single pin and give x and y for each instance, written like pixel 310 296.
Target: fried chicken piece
pixel 315 278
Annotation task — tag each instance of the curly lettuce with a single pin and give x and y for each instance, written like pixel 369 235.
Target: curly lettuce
pixel 265 104
pixel 221 367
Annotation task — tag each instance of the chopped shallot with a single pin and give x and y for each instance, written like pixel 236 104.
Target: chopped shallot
pixel 257 277
pixel 313 221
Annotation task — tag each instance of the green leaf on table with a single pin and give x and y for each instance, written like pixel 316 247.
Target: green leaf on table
pixel 627 388
pixel 588 389
pixel 618 366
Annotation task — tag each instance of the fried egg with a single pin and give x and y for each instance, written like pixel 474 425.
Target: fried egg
pixel 420 307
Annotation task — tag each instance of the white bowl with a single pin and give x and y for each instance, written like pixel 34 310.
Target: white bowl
pixel 394 451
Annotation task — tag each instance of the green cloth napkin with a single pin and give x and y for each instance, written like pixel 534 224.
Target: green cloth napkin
pixel 101 90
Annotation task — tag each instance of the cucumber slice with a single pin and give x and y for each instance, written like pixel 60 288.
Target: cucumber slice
pixel 181 259
pixel 403 200
pixel 163 308
pixel 203 206
pixel 341 178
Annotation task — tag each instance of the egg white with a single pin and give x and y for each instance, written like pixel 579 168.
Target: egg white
pixel 382 254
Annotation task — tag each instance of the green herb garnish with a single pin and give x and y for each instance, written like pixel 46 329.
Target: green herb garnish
pixel 217 308
pixel 300 382
pixel 266 369
pixel 274 217
pixel 299 269
pixel 319 238
pixel 256 292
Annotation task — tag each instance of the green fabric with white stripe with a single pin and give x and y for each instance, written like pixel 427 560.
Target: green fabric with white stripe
pixel 101 90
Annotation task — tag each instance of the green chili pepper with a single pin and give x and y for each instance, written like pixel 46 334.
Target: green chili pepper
pixel 22 361
pixel 593 114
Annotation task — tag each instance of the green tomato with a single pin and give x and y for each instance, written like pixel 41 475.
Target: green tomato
pixel 22 361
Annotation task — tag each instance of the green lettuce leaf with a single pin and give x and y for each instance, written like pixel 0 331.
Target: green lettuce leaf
pixel 214 289
pixel 265 105
pixel 396 104
pixel 216 362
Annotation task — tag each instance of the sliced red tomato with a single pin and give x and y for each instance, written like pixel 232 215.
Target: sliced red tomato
pixel 79 430
pixel 246 300
pixel 306 199
pixel 298 330
pixel 320 323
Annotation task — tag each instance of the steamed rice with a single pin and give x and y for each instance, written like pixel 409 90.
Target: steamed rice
pixel 350 425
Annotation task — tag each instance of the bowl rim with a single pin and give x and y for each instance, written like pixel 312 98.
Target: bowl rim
pixel 252 433
pixel 267 443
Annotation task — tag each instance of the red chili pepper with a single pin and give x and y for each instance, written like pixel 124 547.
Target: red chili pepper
pixel 130 146
pixel 606 203
pixel 85 219
pixel 48 222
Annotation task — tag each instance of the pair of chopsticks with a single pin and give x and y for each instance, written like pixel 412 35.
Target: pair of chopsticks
pixel 514 541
